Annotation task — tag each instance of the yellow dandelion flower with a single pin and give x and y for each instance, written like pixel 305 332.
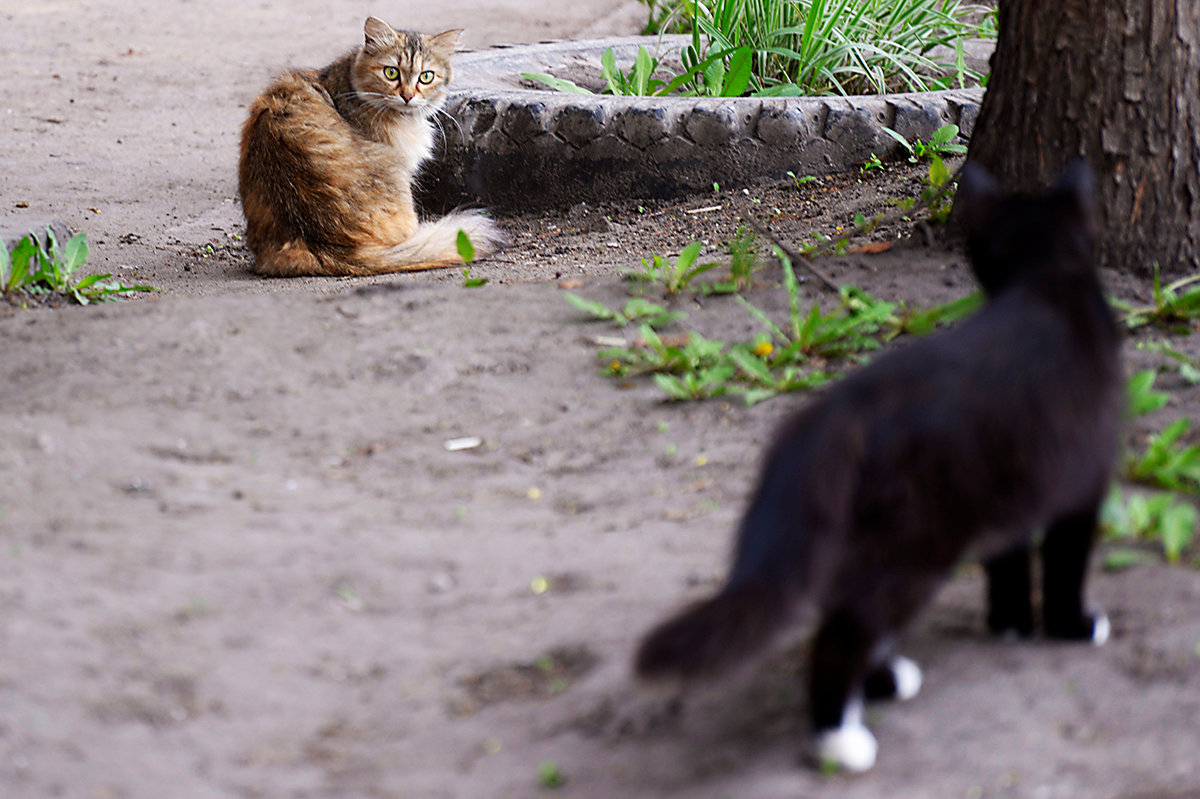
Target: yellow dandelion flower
pixel 763 348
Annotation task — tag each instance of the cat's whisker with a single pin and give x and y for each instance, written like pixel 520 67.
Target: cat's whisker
pixel 441 112
pixel 377 104
pixel 380 110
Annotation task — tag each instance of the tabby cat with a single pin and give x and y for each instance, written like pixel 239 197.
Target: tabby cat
pixel 960 444
pixel 329 159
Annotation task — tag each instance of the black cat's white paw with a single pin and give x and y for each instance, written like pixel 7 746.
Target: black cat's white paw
pixel 1101 628
pixel 1093 627
pixel 908 677
pixel 895 678
pixel 850 747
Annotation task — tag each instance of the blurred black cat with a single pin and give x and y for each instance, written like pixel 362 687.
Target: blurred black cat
pixel 961 444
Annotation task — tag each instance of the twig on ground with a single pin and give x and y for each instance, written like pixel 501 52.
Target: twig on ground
pixel 795 257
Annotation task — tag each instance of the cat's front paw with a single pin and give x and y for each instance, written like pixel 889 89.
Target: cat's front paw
pixel 896 678
pixel 1093 627
pixel 908 678
pixel 850 747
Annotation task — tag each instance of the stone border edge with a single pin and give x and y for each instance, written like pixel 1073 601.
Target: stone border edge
pixel 515 149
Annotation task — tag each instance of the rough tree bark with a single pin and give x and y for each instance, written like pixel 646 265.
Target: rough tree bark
pixel 1114 81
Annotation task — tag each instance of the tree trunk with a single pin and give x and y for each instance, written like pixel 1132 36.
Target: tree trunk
pixel 1114 81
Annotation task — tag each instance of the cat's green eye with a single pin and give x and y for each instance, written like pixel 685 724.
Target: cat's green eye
pixel 391 73
pixel 426 77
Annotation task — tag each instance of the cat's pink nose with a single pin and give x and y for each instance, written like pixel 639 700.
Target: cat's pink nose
pixel 407 96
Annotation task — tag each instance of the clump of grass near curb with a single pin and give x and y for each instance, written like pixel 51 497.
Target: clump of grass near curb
pixel 1139 521
pixel 1187 367
pixel 636 309
pixel 35 268
pixel 1159 519
pixel 676 278
pixel 1175 306
pixel 935 200
pixel 1167 462
pixel 939 144
pixel 673 277
pixel 784 48
pixel 799 354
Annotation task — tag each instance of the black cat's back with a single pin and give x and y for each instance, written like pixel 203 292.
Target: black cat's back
pixel 959 444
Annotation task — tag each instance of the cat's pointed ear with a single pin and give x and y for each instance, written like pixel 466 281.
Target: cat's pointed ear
pixel 1078 185
pixel 445 42
pixel 378 35
pixel 977 196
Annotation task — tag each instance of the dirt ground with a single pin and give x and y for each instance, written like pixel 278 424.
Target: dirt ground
pixel 237 558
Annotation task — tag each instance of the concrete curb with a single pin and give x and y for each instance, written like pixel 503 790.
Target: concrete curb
pixel 513 147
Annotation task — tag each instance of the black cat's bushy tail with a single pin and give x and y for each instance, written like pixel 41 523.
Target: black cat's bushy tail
pixel 714 634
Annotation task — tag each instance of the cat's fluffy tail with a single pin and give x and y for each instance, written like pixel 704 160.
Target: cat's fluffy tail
pixel 435 244
pixel 714 634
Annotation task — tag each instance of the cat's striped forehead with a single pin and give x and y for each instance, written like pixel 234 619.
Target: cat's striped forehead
pixel 410 50
pixel 410 45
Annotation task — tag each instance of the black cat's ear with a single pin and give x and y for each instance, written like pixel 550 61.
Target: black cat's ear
pixel 378 35
pixel 1078 186
pixel 976 199
pixel 445 42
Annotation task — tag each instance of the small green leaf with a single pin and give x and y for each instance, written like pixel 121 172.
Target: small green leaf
pixel 651 338
pixel 1141 397
pixel 943 135
pixel 597 310
pixel 1178 528
pixel 753 396
pixel 688 255
pixel 673 386
pixel 466 250
pixel 938 172
pixel 45 270
pixel 19 275
pixel 472 282
pixel 639 306
pixel 752 365
pixel 738 77
pixel 1122 558
pixel 612 75
pixel 714 78
pixel 903 141
pixel 643 68
pixel 76 253
pixel 558 84
pixel 90 280
pixel 52 244
pixel 550 776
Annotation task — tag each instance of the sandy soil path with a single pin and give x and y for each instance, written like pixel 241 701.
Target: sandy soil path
pixel 238 560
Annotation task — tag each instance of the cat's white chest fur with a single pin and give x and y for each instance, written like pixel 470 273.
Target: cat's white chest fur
pixel 412 137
